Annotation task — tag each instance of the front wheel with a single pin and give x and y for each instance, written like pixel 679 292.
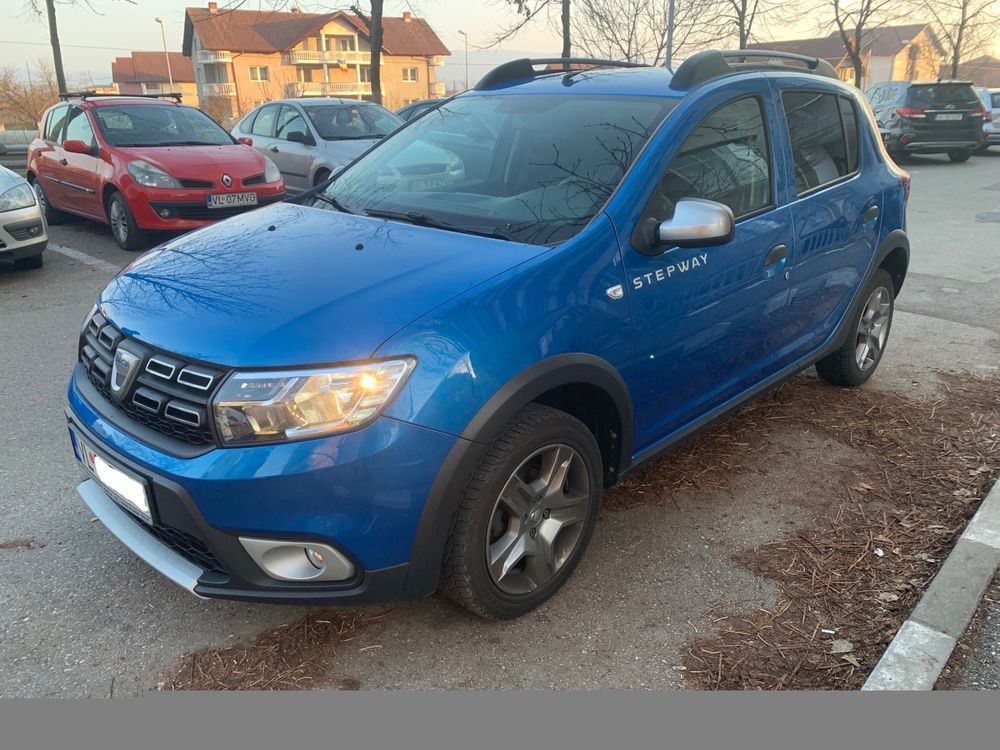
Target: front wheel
pixel 526 516
pixel 856 360
pixel 959 156
pixel 126 232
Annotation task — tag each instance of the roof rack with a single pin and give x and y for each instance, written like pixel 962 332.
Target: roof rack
pixel 64 95
pixel 712 63
pixel 525 68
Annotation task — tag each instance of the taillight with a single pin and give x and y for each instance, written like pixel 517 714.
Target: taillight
pixel 981 112
pixel 904 177
pixel 988 115
pixel 914 113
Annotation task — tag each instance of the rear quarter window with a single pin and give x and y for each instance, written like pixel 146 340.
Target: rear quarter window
pixel 940 94
pixel 995 99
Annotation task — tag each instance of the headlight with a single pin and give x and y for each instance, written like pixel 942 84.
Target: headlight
pixel 19 196
pixel 271 171
pixel 146 174
pixel 268 407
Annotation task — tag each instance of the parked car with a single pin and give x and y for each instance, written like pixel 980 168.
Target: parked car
pixel 991 104
pixel 23 237
pixel 395 386
pixel 415 109
pixel 937 117
pixel 144 164
pixel 310 139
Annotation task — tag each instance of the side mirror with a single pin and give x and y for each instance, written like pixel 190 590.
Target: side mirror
pixel 298 136
pixel 78 147
pixel 245 141
pixel 696 223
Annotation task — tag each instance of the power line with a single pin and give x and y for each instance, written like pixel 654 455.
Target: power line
pixel 75 46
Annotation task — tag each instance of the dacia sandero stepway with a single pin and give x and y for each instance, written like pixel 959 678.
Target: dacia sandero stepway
pixel 398 383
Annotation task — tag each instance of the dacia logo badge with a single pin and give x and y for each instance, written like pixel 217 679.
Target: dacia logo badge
pixel 123 371
pixel 227 180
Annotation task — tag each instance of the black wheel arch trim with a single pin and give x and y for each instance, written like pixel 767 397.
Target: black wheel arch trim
pixel 434 527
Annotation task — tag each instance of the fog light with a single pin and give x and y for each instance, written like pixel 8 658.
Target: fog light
pixel 165 213
pixel 289 560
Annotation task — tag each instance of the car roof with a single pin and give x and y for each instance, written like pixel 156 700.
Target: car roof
pixel 104 101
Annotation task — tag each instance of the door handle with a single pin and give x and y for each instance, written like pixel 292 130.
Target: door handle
pixel 274 149
pixel 64 162
pixel 776 254
pixel 870 215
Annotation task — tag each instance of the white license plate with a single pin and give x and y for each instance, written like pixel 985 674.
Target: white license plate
pixel 955 116
pixel 128 491
pixel 228 200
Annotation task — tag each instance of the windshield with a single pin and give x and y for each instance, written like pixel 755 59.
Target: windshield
pixel 337 122
pixel 941 94
pixel 529 167
pixel 159 125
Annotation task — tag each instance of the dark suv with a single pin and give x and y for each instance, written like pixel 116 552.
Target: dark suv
pixel 939 117
pixel 392 384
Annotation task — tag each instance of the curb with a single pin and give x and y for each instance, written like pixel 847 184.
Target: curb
pixel 924 642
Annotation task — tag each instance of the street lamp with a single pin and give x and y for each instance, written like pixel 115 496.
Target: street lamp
pixel 166 55
pixel 466 58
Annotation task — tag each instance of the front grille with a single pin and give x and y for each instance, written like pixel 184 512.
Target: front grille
pixel 257 179
pixel 24 231
pixel 169 394
pixel 197 183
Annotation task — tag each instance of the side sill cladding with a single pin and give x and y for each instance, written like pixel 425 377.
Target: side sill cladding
pixel 438 514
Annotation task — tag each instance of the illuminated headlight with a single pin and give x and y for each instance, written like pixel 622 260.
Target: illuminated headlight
pixel 149 176
pixel 271 171
pixel 19 196
pixel 268 407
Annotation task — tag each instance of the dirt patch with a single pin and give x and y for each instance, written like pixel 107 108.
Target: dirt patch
pixel 290 657
pixel 849 580
pixel 26 543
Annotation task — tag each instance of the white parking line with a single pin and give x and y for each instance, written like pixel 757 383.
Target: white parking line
pixel 84 258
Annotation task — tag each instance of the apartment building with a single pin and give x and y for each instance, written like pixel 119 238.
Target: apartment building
pixel 148 73
pixel 244 57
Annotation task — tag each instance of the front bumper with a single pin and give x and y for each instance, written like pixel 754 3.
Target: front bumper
pixel 187 207
pixel 362 493
pixel 22 233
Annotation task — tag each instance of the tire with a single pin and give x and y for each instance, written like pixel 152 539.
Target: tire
pixel 52 215
pixel 558 516
pixel 844 366
pixel 29 263
pixel 321 176
pixel 959 156
pixel 126 232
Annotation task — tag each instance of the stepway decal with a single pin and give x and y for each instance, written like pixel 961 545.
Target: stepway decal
pixel 662 274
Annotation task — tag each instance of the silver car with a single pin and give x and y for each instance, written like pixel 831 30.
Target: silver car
pixel 991 123
pixel 23 234
pixel 309 139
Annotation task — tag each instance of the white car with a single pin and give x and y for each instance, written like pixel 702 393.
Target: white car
pixel 991 126
pixel 23 234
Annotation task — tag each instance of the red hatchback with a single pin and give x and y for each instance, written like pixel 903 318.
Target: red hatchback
pixel 144 164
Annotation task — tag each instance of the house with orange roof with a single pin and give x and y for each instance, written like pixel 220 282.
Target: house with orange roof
pixel 152 73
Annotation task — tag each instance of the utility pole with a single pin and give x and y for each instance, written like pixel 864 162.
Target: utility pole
pixel 466 58
pixel 669 50
pixel 166 55
pixel 50 11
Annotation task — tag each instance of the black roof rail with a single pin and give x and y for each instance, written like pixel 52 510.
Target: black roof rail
pixel 525 68
pixel 64 95
pixel 712 63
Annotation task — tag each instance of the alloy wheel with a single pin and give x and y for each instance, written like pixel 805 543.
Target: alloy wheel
pixel 873 329
pixel 538 519
pixel 119 224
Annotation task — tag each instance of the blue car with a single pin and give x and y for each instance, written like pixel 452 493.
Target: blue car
pixel 408 380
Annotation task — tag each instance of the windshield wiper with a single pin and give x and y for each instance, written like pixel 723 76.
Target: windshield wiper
pixel 331 201
pixel 423 220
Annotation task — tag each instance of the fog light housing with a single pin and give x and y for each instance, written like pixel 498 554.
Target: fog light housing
pixel 289 560
pixel 165 213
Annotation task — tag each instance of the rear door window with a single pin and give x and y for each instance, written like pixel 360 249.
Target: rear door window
pixel 819 144
pixel 54 124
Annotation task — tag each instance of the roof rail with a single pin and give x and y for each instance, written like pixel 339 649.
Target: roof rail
pixel 712 63
pixel 64 95
pixel 525 68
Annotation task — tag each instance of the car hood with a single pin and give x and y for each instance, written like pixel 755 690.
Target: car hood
pixel 345 151
pixel 201 162
pixel 289 285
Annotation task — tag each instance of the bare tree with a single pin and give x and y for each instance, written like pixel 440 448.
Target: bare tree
pixel 855 20
pixel 531 10
pixel 743 19
pixel 374 24
pixel 965 27
pixel 24 99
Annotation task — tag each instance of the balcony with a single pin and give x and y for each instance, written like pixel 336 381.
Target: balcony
pixel 318 57
pixel 218 89
pixel 437 60
pixel 438 88
pixel 318 88
pixel 211 56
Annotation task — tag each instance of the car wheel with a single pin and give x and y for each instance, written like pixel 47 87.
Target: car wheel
pixel 321 176
pixel 52 215
pixel 959 156
pixel 526 515
pixel 31 262
pixel 854 362
pixel 123 227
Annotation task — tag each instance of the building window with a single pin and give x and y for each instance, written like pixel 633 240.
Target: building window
pixel 365 72
pixel 410 75
pixel 152 87
pixel 259 74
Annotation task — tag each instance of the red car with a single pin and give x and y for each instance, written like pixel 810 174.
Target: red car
pixel 144 164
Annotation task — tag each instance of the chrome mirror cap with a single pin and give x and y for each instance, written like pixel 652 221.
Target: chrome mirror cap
pixel 697 223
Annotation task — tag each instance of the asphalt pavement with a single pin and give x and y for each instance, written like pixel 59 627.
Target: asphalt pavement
pixel 81 616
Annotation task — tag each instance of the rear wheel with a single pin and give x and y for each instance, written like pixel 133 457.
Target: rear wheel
pixel 52 215
pixel 526 516
pixel 959 156
pixel 856 360
pixel 126 232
